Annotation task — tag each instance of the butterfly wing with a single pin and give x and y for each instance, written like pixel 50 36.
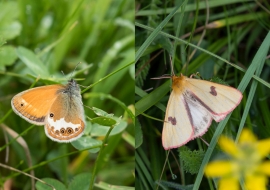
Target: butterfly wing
pixel 177 128
pixel 33 105
pixel 218 99
pixel 65 120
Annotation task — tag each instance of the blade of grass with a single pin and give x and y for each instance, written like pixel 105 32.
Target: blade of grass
pixel 190 7
pixel 154 34
pixel 150 99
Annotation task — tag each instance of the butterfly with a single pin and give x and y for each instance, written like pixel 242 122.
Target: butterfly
pixel 192 105
pixel 58 107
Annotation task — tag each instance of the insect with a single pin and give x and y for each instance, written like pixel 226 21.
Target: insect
pixel 58 107
pixel 192 105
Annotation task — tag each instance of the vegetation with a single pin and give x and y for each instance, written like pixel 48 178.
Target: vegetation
pixel 39 40
pixel 228 40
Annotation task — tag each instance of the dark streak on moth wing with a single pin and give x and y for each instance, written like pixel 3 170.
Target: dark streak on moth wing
pixel 193 96
pixel 213 91
pixel 172 120
pixel 188 111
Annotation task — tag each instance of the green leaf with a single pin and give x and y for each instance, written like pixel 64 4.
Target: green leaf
pixel 2 41
pixel 100 112
pixel 7 55
pixel 105 121
pixel 9 27
pixel 32 62
pixel 10 30
pixel 99 130
pixel 53 182
pixel 88 128
pixel 80 182
pixel 87 142
pixel 9 11
pixel 106 186
pixel 191 159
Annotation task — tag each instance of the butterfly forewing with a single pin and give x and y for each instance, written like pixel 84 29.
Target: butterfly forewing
pixel 34 104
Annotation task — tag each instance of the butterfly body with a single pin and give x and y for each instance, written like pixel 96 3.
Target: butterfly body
pixel 58 107
pixel 192 105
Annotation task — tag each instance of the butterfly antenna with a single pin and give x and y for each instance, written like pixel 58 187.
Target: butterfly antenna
pixel 64 74
pixel 74 70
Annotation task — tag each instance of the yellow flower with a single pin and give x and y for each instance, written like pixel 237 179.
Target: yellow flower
pixel 246 163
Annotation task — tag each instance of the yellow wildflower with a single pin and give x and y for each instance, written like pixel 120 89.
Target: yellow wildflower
pixel 246 163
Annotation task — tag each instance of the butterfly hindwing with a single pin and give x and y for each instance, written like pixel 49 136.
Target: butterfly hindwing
pixel 65 120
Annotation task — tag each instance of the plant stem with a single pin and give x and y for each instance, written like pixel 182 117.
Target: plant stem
pixel 98 157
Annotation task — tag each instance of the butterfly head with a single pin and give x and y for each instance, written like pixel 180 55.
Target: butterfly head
pixel 72 88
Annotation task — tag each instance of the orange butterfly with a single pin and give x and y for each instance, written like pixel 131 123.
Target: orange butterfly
pixel 58 107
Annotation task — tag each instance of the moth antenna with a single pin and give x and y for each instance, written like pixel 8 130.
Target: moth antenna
pixel 166 76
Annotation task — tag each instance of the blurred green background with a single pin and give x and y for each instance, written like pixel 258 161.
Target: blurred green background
pixel 38 40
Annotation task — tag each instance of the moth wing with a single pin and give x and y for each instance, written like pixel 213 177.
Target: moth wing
pixel 33 105
pixel 201 119
pixel 218 99
pixel 65 120
pixel 177 128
